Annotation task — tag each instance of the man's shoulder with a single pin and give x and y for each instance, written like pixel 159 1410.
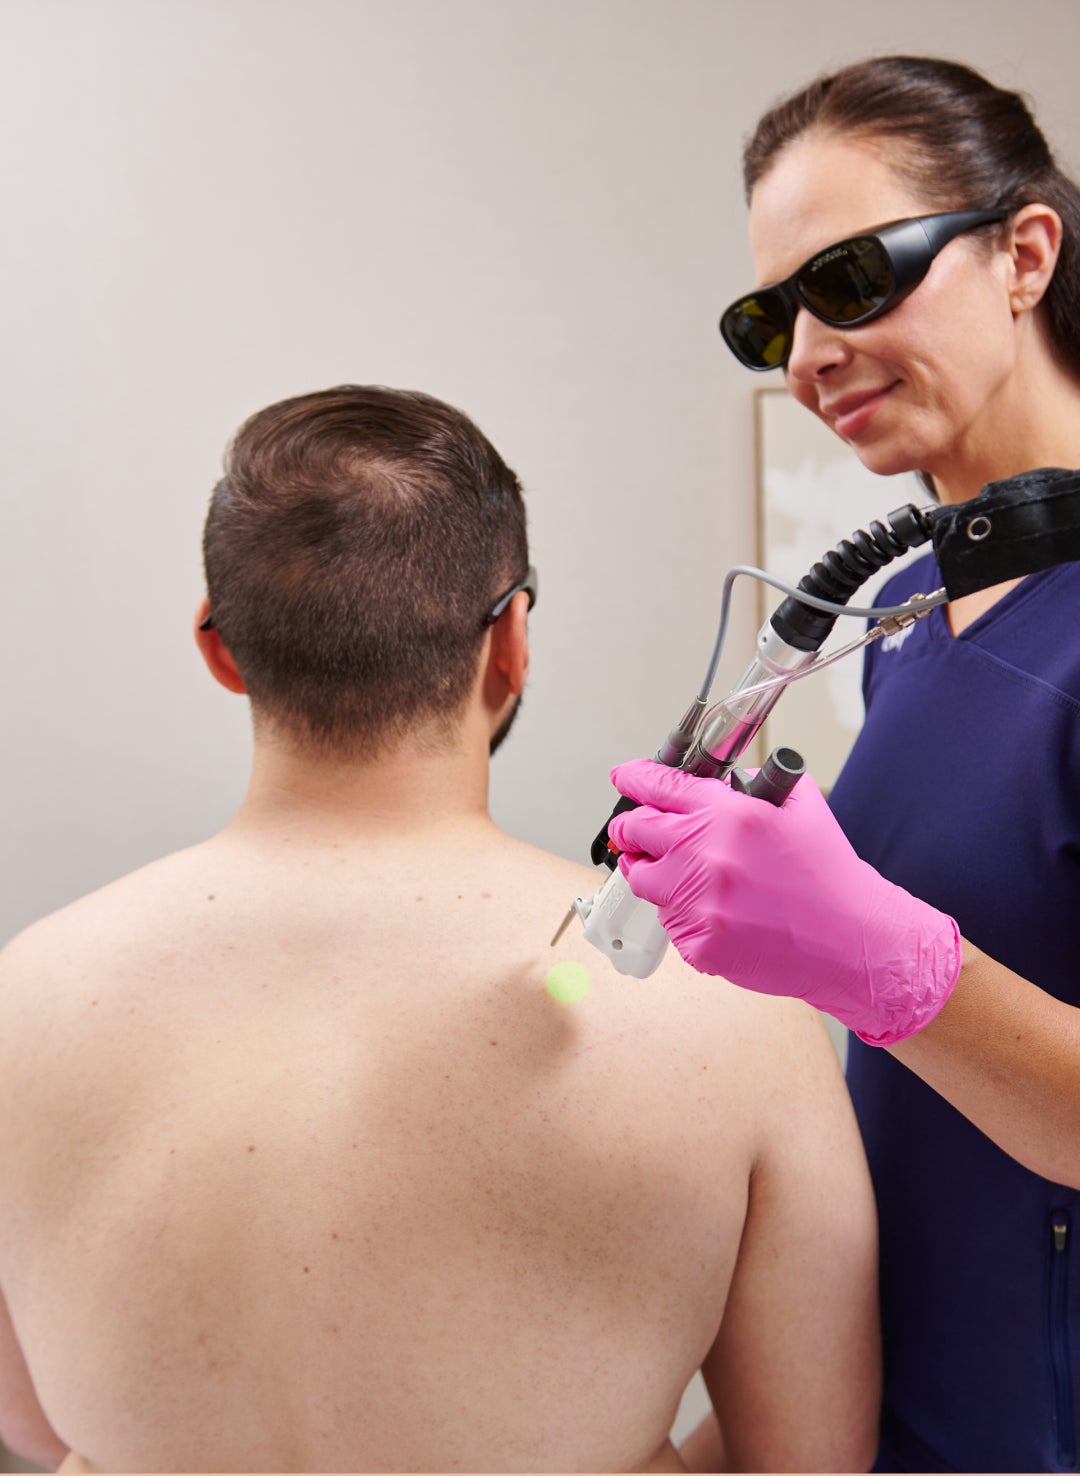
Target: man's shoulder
pixel 79 1008
pixel 93 932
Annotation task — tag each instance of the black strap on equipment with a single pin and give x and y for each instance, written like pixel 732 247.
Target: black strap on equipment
pixel 1011 528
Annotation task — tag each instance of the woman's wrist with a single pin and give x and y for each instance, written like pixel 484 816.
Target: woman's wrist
pixel 915 958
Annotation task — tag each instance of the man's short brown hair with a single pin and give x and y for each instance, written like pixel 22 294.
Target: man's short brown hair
pixel 352 550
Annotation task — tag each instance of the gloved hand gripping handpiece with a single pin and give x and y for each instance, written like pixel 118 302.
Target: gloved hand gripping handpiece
pixel 710 742
pixel 629 929
pixel 797 914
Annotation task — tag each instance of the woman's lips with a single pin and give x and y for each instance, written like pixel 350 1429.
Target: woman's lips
pixel 853 413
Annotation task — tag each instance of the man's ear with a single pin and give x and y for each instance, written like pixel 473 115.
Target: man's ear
pixel 1034 246
pixel 214 651
pixel 508 654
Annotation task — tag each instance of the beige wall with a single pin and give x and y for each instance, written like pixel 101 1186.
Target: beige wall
pixel 528 207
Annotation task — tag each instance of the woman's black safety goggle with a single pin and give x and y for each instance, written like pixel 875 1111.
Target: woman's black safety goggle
pixel 844 285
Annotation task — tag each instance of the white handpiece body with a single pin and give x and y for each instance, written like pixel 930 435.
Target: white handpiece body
pixel 623 927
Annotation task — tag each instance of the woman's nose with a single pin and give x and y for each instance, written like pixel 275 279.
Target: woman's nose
pixel 816 347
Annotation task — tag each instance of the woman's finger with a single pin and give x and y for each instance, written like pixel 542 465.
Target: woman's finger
pixel 652 783
pixel 646 831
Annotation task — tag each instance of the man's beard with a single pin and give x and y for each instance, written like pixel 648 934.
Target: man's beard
pixel 504 728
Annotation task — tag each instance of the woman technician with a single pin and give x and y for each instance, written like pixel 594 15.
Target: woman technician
pixel 940 919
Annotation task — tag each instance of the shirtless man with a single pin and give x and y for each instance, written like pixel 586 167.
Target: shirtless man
pixel 302 1168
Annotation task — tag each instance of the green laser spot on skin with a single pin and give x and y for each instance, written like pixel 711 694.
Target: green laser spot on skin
pixel 568 982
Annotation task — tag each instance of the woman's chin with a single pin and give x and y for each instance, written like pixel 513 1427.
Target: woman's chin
pixel 887 458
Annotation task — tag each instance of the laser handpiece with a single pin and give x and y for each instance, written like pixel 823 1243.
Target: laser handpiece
pixel 709 741
pixel 1014 527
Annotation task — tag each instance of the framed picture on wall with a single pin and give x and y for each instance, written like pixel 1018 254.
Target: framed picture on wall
pixel 813 491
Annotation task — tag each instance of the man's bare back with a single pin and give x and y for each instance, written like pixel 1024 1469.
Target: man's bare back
pixel 304 1169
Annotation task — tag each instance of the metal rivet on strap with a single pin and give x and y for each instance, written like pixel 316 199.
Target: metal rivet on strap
pixel 979 528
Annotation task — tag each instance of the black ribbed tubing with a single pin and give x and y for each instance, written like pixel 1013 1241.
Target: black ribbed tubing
pixel 843 570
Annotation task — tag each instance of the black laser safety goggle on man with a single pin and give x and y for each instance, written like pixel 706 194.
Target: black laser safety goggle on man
pixel 844 285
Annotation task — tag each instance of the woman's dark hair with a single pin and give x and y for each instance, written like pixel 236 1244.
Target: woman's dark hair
pixel 352 549
pixel 965 144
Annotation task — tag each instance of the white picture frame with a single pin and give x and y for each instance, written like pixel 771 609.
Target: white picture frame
pixel 812 491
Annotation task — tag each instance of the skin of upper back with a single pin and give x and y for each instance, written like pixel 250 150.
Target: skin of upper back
pixel 303 1168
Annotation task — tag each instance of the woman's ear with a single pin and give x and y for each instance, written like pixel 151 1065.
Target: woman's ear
pixel 214 651
pixel 1034 245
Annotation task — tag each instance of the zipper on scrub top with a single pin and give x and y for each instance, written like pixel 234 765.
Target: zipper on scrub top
pixel 1060 1362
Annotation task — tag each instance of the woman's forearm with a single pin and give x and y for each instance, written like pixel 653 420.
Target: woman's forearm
pixel 1007 1055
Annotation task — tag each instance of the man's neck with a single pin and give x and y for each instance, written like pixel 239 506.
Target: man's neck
pixel 415 790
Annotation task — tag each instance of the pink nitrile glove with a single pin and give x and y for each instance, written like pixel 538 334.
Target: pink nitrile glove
pixel 775 900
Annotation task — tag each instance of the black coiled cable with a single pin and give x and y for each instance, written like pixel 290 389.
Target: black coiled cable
pixel 844 569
